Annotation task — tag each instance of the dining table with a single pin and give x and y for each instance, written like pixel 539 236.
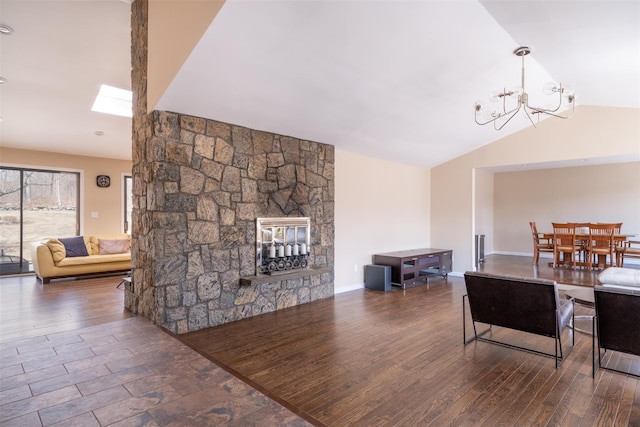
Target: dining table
pixel 585 236
pixel 619 238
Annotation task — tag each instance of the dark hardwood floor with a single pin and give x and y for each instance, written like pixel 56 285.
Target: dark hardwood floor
pixel 397 358
pixel 29 309
pixel 70 352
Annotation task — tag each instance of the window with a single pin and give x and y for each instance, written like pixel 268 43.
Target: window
pixel 128 203
pixel 35 204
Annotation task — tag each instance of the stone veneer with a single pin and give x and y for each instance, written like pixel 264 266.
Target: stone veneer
pixel 198 186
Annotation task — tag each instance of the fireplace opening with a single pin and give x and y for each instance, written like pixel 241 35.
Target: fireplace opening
pixel 282 244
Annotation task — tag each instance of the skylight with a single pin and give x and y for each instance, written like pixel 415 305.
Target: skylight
pixel 112 100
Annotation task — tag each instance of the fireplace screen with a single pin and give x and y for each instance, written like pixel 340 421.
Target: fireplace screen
pixel 282 244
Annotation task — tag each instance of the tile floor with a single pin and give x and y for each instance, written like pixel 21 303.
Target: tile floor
pixel 124 373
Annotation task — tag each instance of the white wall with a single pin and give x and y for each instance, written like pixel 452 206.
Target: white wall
pixel 380 206
pixel 597 193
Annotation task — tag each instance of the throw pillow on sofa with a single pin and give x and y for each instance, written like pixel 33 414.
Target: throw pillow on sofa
pixel 114 246
pixel 75 246
pixel 57 249
pixel 94 244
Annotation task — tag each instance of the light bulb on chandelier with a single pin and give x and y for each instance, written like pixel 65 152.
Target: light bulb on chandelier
pixel 500 117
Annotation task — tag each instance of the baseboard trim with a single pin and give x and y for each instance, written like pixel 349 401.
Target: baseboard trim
pixel 348 288
pixel 547 255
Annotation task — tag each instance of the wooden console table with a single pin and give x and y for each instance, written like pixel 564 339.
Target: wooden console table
pixel 415 266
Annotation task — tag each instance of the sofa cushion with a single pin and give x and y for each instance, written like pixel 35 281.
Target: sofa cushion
pixel 620 276
pixel 74 246
pixel 94 259
pixel 114 246
pixel 57 249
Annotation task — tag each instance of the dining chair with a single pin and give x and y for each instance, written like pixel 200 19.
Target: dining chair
pixel 601 244
pixel 629 249
pixel 582 234
pixel 618 231
pixel 540 243
pixel 565 243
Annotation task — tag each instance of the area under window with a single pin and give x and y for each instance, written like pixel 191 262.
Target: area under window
pixel 128 203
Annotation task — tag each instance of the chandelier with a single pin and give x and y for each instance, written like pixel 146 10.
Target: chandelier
pixel 500 117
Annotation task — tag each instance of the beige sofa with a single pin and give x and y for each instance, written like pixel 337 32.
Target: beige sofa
pixel 107 253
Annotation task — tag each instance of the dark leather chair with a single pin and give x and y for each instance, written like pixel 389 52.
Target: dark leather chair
pixel 523 304
pixel 617 321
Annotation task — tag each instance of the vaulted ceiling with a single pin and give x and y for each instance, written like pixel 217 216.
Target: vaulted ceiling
pixel 389 79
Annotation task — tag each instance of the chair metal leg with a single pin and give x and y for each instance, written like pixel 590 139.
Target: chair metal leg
pixel 557 343
pixel 557 338
pixel 593 347
pixel 573 321
pixel 464 320
pixel 476 336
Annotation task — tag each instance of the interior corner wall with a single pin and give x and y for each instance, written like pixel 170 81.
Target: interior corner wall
pixel 591 133
pixel 168 50
pixel 484 208
pixel 381 206
pixel 452 224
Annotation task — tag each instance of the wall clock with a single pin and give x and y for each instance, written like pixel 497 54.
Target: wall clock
pixel 103 181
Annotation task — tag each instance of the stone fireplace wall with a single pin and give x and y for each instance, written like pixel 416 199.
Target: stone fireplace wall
pixel 208 181
pixel 198 187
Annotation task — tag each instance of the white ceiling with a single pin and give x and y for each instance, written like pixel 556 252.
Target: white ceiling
pixel 390 79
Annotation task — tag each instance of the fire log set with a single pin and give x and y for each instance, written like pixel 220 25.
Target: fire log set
pixel 286 257
pixel 282 244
